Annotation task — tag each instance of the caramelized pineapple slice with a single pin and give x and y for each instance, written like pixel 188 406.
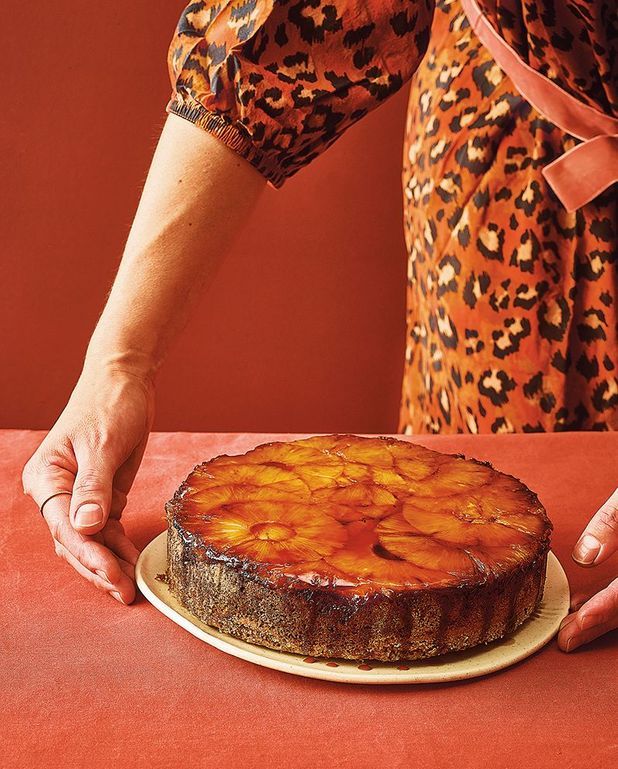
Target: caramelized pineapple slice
pixel 320 476
pixel 395 536
pixel 459 520
pixel 292 454
pixel 367 561
pixel 199 503
pixel 390 479
pixel 257 475
pixel 419 468
pixel 372 451
pixel 275 533
pixel 356 495
pixel 503 501
pixel 367 567
pixel 453 476
pixel 492 560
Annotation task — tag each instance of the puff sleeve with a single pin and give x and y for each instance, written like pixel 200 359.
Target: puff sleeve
pixel 279 81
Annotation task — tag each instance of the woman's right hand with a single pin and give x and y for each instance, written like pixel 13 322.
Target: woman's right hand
pixel 93 452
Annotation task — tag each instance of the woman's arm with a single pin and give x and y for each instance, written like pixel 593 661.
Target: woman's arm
pixel 196 195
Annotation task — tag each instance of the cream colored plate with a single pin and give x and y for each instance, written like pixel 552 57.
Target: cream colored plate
pixel 530 637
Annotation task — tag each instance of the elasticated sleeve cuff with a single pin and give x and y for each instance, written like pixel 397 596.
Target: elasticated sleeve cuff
pixel 231 134
pixel 279 82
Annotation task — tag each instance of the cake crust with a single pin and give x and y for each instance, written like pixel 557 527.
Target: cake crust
pixel 419 573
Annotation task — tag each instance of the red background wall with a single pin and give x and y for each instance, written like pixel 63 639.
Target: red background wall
pixel 303 329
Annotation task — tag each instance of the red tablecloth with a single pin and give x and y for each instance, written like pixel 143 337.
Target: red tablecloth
pixel 86 682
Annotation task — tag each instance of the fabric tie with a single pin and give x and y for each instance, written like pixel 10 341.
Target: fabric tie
pixel 587 169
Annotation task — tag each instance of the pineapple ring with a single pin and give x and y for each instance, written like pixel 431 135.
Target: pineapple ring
pixel 461 523
pixel 369 568
pixel 395 536
pixel 272 532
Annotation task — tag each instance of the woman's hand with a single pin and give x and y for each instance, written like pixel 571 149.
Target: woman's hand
pixel 93 452
pixel 591 618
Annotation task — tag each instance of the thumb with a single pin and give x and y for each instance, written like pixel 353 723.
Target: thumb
pixel 92 492
pixel 600 538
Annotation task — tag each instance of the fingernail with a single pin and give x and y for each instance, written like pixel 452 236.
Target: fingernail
pixel 88 515
pixel 104 576
pixel 565 622
pixel 570 644
pixel 118 597
pixel 587 549
pixel 588 620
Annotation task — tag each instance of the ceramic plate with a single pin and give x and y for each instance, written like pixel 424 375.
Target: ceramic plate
pixel 527 639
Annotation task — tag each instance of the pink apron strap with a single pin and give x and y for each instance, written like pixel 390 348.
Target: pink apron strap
pixel 587 169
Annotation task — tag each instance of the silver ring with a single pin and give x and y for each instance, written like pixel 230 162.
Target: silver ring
pixel 57 494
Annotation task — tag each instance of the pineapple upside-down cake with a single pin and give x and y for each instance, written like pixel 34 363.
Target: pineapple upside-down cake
pixel 359 548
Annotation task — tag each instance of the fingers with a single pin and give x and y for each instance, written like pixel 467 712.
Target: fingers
pixel 595 617
pixel 600 538
pixel 92 555
pixel 117 541
pixel 129 570
pixel 91 501
pixel 119 502
pixel 572 638
pixel 90 558
pixel 598 615
pixel 99 580
pixel 106 559
pixel 126 590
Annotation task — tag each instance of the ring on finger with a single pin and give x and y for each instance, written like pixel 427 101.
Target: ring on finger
pixel 57 494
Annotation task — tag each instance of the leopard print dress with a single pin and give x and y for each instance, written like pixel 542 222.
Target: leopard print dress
pixel 511 300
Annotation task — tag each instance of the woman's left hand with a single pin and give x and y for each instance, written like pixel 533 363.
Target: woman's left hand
pixel 591 618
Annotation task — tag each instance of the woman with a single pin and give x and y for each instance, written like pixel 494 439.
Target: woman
pixel 510 225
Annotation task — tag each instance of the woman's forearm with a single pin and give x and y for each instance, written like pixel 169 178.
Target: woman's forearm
pixel 197 194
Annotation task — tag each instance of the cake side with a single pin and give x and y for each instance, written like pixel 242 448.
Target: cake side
pixel 317 622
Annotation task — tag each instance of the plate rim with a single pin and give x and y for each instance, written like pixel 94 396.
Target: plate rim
pixel 418 672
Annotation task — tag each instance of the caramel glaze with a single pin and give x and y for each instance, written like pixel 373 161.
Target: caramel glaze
pixel 360 518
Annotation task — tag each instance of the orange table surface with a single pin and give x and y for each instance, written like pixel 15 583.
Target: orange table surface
pixel 86 682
